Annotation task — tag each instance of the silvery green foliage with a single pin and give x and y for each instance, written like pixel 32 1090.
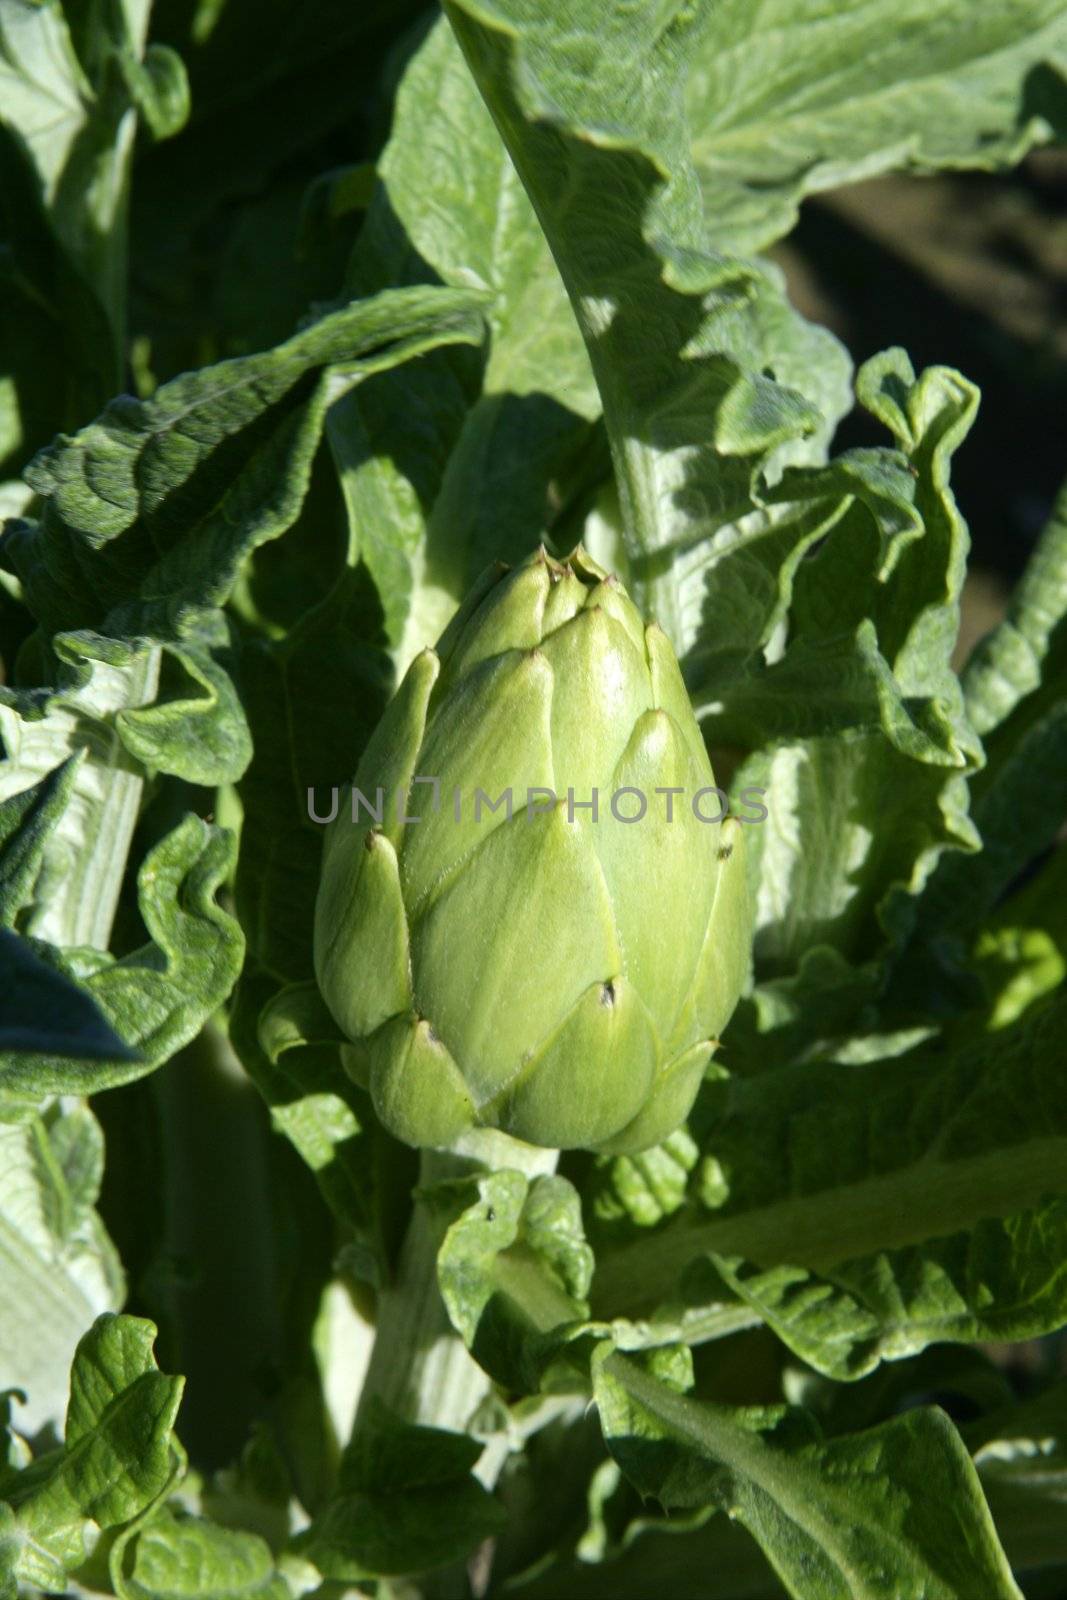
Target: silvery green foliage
pixel 523 312
pixel 561 968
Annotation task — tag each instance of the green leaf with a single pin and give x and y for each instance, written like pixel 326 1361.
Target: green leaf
pixel 1019 811
pixel 1008 665
pixel 514 1268
pixel 201 737
pixel 288 1044
pixel 646 1187
pixel 1001 1279
pixel 118 1455
pixel 153 507
pixel 906 617
pixel 448 466
pixel 866 1211
pixel 408 1502
pixel 97 713
pixel 313 698
pixel 71 82
pixel 158 997
pixel 787 99
pixel 751 582
pixel 1021 953
pixel 58 1266
pixel 177 1556
pixel 853 1518
pixel 1015 683
pixel 159 89
pixel 681 341
pixel 860 701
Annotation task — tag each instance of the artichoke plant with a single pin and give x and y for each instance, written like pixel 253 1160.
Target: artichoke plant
pixel 532 915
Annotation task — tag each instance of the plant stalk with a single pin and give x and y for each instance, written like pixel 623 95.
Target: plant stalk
pixel 419 1365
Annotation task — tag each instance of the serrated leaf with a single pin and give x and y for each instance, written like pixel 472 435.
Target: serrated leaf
pixel 170 494
pixel 872 623
pixel 648 1187
pixel 201 736
pixel 1015 684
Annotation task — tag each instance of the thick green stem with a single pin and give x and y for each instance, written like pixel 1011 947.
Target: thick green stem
pixel 87 856
pixel 420 1366
pixel 890 1211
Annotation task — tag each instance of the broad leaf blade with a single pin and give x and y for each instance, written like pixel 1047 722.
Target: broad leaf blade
pixel 154 506
pixel 704 372
pixel 787 99
pixel 450 465
pixel 856 1518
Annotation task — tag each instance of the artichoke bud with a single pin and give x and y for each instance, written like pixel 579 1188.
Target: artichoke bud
pixel 531 916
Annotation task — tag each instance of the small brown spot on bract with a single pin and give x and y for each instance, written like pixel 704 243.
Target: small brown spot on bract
pixel 725 852
pixel 371 838
pixel 607 994
pixel 490 1215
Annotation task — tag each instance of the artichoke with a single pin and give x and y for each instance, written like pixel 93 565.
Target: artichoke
pixel 558 967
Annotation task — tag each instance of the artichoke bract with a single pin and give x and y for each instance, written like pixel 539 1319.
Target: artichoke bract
pixel 532 914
